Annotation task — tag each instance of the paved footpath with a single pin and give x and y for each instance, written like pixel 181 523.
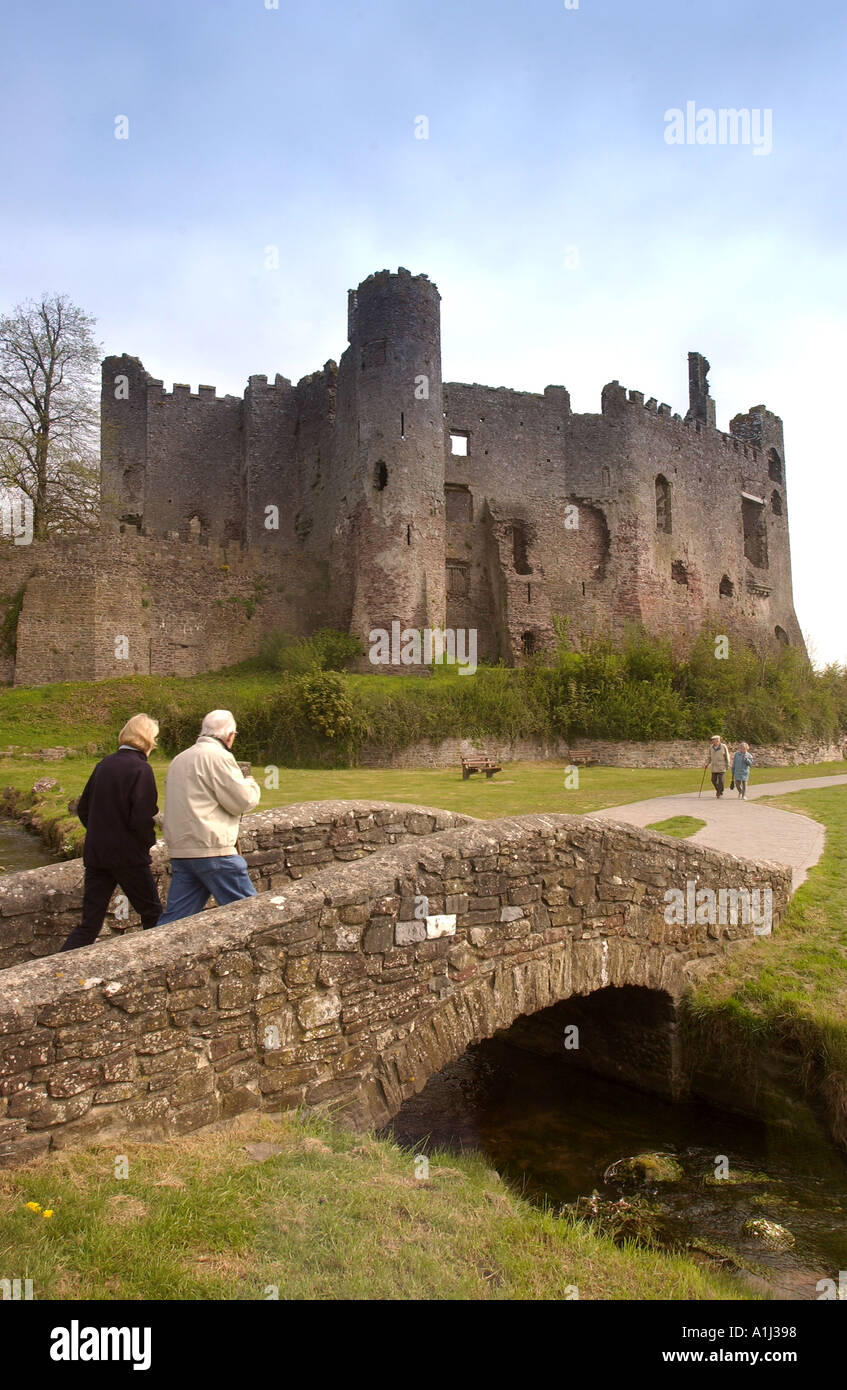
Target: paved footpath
pixel 741 827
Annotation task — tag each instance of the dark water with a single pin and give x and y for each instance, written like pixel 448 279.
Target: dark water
pixel 551 1131
pixel 20 849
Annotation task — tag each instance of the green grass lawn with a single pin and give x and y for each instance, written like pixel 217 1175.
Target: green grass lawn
pixel 791 988
pixel 678 827
pixel 521 788
pixel 330 1215
pixel 333 1216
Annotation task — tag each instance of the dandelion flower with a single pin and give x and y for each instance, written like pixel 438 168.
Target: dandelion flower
pixel 48 1212
pixel 33 1206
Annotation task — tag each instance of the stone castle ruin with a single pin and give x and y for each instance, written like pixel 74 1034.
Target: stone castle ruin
pixel 374 493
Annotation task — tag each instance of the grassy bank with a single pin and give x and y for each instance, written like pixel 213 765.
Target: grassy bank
pixel 327 1215
pixel 306 716
pixel 790 991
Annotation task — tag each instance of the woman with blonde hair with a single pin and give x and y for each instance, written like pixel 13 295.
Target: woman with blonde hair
pixel 117 809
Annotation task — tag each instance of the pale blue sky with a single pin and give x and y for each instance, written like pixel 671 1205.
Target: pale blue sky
pixel 294 127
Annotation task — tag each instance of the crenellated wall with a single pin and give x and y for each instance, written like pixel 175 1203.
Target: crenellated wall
pixel 349 498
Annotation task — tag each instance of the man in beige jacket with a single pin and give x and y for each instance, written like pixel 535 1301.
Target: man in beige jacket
pixel 717 755
pixel 206 795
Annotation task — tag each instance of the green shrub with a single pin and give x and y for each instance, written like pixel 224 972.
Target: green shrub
pixel 326 704
pixel 326 650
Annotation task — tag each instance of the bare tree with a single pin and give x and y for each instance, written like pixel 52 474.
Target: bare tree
pixel 48 413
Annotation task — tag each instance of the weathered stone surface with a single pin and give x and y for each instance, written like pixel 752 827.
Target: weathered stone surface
pixel 405 933
pixel 318 1009
pixel 359 1012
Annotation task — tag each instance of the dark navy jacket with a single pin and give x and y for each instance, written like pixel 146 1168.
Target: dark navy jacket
pixel 117 809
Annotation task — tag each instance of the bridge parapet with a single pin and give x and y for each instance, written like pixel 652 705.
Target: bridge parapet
pixel 38 907
pixel 356 984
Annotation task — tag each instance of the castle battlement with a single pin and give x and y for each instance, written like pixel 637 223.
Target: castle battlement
pixel 449 506
pixel 181 391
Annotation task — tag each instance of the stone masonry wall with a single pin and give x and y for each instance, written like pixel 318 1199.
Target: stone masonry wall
pixel 400 497
pixel 673 753
pixel 183 606
pixel 332 991
pixel 38 907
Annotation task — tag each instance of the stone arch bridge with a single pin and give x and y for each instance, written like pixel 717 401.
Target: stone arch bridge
pixel 384 940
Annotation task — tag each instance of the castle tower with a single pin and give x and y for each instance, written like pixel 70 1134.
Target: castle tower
pixel 123 442
pixel 391 447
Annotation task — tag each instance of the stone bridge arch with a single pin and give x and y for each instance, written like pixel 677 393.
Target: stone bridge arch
pixel 352 986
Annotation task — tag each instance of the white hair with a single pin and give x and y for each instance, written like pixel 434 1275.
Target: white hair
pixel 219 722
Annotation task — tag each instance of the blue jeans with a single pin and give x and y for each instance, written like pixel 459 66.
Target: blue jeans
pixel 223 877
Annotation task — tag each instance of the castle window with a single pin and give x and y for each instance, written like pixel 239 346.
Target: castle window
pixel 774 466
pixel 529 593
pixel 459 443
pixel 380 477
pixel 459 505
pixel 663 504
pixel 726 589
pixel 755 531
pixel 606 482
pixel 528 643
pixel 781 635
pixel 458 579
pixel 402 425
pixel 408 535
pixel 776 504
pixel 373 354
pixel 679 574
pixel 520 557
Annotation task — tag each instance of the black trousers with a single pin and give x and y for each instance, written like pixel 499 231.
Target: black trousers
pixel 135 880
pixel 717 782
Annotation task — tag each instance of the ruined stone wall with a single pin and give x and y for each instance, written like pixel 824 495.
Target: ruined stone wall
pixel 381 519
pixel 680 571
pixel 183 606
pixel 38 907
pixel 529 460
pixel 448 752
pixel 18 563
pixel 334 991
pixel 171 459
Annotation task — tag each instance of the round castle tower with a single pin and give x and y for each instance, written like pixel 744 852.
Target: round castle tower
pixel 390 377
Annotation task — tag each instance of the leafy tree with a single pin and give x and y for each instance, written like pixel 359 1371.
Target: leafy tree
pixel 48 413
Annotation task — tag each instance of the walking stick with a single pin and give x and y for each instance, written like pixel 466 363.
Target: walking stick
pixel 702 780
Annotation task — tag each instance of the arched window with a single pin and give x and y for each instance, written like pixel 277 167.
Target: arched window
pixel 380 477
pixel 774 466
pixel 726 588
pixel 663 504
pixel 781 636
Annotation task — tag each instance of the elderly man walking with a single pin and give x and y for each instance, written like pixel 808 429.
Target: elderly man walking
pixel 206 795
pixel 717 757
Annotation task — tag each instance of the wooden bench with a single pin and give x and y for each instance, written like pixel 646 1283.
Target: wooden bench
pixel 479 762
